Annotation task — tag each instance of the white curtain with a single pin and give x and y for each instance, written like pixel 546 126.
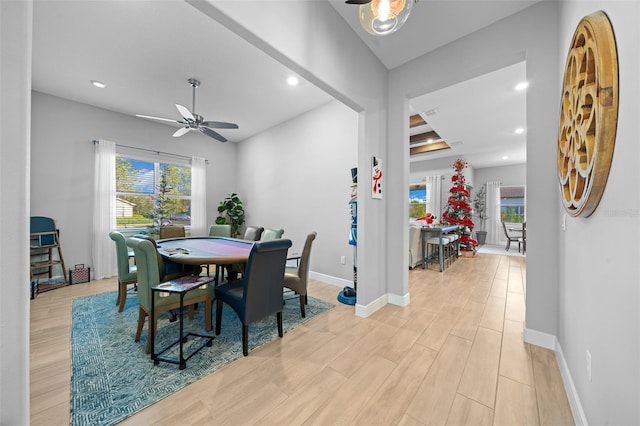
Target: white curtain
pixel 495 235
pixel 103 249
pixel 198 197
pixel 434 194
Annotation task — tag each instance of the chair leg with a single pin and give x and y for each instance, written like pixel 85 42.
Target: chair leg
pixel 141 316
pixel 245 340
pixel 119 293
pixel 508 244
pixel 218 315
pixel 122 296
pixel 302 311
pixel 279 319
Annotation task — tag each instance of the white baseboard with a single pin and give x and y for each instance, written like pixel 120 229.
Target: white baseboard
pixel 550 341
pixel 364 311
pixel 397 300
pixel 579 416
pixel 538 338
pixel 328 279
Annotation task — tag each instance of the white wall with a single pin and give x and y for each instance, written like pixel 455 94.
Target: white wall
pixel 62 163
pixel 599 293
pixel 301 182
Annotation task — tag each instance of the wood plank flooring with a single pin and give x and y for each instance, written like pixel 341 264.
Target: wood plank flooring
pixel 453 356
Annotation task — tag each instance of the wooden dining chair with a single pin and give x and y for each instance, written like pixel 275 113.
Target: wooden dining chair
pixel 171 232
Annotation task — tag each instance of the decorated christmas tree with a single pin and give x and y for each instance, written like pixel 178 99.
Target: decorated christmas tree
pixel 458 211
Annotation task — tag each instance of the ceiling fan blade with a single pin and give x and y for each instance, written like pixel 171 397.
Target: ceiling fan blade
pixel 212 133
pixel 181 131
pixel 185 113
pixel 157 118
pixel 357 1
pixel 220 125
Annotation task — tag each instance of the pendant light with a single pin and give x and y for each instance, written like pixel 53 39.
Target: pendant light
pixel 382 17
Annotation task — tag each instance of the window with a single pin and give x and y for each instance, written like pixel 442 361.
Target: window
pixel 417 201
pixel 152 193
pixel 512 204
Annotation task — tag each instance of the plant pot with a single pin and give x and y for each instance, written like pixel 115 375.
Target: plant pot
pixel 481 237
pixel 467 253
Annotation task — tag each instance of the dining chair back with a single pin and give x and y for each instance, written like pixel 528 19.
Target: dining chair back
pixel 217 230
pixel 171 232
pixel 253 233
pixel 295 278
pixel 127 273
pixel 149 275
pixel 258 293
pixel 271 234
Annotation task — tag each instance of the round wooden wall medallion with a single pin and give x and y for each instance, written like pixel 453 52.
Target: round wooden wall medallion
pixel 589 115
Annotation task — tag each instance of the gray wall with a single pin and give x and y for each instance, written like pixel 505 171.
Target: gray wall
pixel 599 293
pixel 302 183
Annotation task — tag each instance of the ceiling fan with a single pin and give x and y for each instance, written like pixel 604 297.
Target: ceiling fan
pixel 193 121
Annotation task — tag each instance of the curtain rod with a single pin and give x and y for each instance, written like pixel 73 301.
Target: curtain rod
pixel 153 151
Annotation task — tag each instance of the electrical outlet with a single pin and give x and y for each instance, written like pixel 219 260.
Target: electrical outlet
pixel 343 260
pixel 588 365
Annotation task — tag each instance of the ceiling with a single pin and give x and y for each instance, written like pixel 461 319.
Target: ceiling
pixel 144 51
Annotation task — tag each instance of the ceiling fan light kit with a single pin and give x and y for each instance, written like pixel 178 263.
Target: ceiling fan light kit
pixel 193 121
pixel 382 17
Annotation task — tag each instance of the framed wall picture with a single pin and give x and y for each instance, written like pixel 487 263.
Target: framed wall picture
pixel 376 178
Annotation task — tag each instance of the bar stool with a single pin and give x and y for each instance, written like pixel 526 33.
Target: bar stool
pixel 433 250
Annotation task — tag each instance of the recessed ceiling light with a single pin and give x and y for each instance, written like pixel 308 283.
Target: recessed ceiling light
pixel 519 131
pixel 504 157
pixel 98 84
pixel 292 80
pixel 522 86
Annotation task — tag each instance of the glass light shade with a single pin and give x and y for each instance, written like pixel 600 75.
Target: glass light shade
pixel 381 17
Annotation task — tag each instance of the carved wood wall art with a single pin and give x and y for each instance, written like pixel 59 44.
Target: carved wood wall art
pixel 589 115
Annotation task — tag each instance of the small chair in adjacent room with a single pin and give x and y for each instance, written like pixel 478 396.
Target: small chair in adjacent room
pixel 510 238
pixel 171 232
pixel 295 278
pixel 258 293
pixel 149 276
pixel 271 234
pixel 217 230
pixel 127 273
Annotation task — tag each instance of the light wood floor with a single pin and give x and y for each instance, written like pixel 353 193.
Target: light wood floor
pixel 454 356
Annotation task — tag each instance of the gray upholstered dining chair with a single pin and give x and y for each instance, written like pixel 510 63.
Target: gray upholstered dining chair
pixel 253 233
pixel 295 278
pixel 127 273
pixel 258 293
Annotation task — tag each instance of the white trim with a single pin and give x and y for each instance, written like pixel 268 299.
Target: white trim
pixel 579 416
pixel 397 300
pixel 539 338
pixel 328 279
pixel 364 311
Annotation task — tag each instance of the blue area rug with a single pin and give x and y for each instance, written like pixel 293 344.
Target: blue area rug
pixel 111 375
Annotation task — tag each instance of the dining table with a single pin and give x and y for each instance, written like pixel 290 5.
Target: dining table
pixel 439 231
pixel 205 251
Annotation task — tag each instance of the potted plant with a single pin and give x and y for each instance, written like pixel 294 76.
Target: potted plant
pixel 480 210
pixel 230 211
